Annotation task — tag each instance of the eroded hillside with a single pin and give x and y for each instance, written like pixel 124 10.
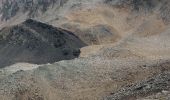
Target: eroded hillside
pixel 38 43
pixel 124 50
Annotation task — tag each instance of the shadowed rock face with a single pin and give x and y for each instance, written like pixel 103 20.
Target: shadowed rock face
pixel 36 42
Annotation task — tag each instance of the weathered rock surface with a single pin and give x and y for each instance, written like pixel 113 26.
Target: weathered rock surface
pixel 127 57
pixel 36 42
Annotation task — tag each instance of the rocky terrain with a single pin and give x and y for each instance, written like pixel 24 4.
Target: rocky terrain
pixel 38 43
pixel 156 84
pixel 84 50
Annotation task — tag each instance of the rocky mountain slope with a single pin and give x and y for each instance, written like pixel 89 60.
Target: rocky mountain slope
pixel 10 8
pixel 156 84
pixel 36 42
pixel 124 44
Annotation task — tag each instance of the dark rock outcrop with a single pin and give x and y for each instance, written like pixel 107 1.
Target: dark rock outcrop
pixel 36 42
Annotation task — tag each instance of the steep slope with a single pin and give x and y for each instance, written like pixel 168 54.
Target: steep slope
pixel 93 21
pixel 36 42
pixel 59 15
pixel 118 17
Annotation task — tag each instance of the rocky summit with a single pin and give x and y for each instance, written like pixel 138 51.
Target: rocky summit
pixel 38 43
